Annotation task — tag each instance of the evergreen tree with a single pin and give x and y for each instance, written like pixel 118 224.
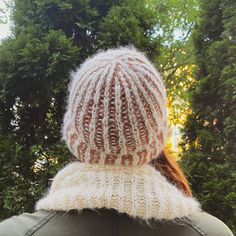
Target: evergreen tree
pixel 210 151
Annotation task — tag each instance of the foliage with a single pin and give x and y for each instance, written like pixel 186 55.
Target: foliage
pixel 50 39
pixel 126 24
pixel 2 13
pixel 210 132
pixel 34 72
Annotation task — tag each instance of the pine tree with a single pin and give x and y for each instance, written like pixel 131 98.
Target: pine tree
pixel 210 152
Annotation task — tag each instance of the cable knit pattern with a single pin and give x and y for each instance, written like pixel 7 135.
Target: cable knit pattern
pixel 139 191
pixel 116 111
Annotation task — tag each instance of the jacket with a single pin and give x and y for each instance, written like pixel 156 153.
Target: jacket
pixel 105 222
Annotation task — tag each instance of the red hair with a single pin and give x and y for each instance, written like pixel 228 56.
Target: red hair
pixel 168 167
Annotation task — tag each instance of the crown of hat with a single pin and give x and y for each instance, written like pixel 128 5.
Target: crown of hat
pixel 116 111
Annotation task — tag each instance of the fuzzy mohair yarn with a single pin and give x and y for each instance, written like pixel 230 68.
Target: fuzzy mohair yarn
pixel 116 111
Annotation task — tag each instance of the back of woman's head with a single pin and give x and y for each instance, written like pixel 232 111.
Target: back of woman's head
pixel 116 126
pixel 116 112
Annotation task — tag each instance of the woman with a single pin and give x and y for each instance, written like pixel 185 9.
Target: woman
pixel 122 181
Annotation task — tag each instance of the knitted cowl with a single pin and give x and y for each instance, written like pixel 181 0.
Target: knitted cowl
pixel 115 124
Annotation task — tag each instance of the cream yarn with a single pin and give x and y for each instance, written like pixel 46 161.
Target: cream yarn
pixel 116 112
pixel 139 191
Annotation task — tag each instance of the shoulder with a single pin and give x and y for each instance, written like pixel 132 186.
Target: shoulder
pixel 25 224
pixel 208 225
pixel 54 223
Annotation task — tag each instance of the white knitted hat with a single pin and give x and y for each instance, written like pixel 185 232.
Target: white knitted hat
pixel 116 112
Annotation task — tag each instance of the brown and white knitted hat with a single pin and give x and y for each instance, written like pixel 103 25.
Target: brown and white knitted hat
pixel 115 124
pixel 116 112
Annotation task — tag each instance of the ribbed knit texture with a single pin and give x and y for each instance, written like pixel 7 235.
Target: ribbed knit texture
pixel 137 191
pixel 116 111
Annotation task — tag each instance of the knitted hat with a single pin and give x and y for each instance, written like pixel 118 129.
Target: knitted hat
pixel 115 123
pixel 116 112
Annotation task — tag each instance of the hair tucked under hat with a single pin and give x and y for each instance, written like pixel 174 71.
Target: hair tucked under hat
pixel 116 111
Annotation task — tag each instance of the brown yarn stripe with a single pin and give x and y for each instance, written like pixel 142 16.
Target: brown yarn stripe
pixel 88 112
pixel 113 133
pixel 98 139
pixel 142 128
pixel 129 136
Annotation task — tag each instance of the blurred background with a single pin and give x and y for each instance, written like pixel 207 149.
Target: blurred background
pixel 191 42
